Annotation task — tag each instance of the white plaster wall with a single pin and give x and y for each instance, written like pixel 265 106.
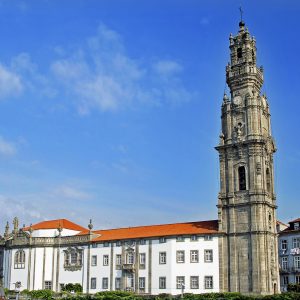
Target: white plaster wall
pixel 53 232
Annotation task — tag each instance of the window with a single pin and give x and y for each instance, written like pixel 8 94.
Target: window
pixel 284 263
pixel 285 280
pixel 180 256
pixel 130 281
pixel 239 53
pixel 296 226
pixel 162 283
pixel 20 259
pixel 296 243
pixel 194 238
pixel 118 259
pixel 48 285
pixel 105 283
pixel 268 180
pixel 142 281
pixel 106 244
pixel 208 282
pixel 208 256
pixel 297 279
pixel 142 258
pixel 94 260
pixel 162 258
pixel 180 282
pixel 94 245
pixel 162 240
pixel 242 178
pixel 297 262
pixel 130 258
pixel 117 283
pixel 105 260
pixel 118 243
pixel 142 242
pixel 208 238
pixel 194 282
pixel 73 259
pixel 180 239
pixel 283 244
pixel 194 256
pixel 93 283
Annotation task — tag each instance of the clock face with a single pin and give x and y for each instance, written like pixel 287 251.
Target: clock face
pixel 237 100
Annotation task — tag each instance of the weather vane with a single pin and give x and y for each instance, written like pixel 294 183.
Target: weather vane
pixel 241 12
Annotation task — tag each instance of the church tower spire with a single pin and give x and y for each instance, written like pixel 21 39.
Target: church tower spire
pixel 246 205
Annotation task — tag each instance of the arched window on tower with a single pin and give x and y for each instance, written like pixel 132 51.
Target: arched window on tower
pixel 20 259
pixel 268 180
pixel 242 178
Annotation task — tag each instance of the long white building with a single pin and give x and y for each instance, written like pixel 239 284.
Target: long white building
pixel 148 259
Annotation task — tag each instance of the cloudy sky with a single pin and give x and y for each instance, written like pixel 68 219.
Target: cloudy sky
pixel 110 109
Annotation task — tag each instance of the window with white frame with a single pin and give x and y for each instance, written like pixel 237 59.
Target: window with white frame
pixel 208 255
pixel 105 260
pixel 118 283
pixel 93 283
pixel 283 244
pixel 180 239
pixel 20 259
pixel 143 242
pixel 180 282
pixel 94 245
pixel 118 243
pixel 194 238
pixel 208 238
pixel 194 256
pixel 48 285
pixel 180 256
pixel 118 259
pixel 142 258
pixel 105 283
pixel 106 244
pixel 130 281
pixel 297 279
pixel 296 243
pixel 94 260
pixel 162 258
pixel 284 263
pixel 162 240
pixel 297 262
pixel 208 282
pixel 162 283
pixel 142 281
pixel 130 258
pixel 296 225
pixel 285 280
pixel 194 282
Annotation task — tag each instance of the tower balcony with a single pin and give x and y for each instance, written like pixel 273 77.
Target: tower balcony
pixel 128 267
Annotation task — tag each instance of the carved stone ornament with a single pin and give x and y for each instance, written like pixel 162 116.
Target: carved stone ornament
pixel 258 168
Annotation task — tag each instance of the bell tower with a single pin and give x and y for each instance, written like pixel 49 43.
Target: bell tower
pixel 246 201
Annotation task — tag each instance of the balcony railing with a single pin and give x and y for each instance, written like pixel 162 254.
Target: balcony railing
pixel 128 267
pixel 289 270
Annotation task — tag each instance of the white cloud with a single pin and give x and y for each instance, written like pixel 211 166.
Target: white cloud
pixel 102 76
pixel 69 192
pixel 10 83
pixel 7 148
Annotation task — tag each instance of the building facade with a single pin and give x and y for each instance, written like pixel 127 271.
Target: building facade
pixel 150 259
pixel 236 253
pixel 289 254
pixel 247 206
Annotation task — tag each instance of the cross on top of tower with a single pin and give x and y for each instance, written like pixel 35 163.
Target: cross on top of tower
pixel 241 24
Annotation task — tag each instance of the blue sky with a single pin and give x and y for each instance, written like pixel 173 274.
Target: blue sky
pixel 110 110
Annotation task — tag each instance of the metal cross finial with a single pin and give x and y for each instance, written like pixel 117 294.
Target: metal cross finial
pixel 241 12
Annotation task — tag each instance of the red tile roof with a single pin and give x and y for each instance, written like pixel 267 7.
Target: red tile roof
pixel 54 224
pixel 203 227
pixel 297 220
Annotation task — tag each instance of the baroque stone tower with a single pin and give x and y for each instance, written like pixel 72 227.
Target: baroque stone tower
pixel 246 204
